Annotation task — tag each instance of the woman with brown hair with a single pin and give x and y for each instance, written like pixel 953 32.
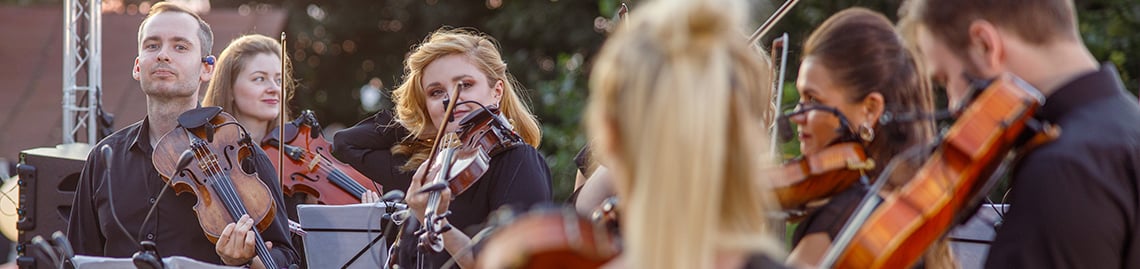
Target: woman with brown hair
pixel 856 70
pixel 248 81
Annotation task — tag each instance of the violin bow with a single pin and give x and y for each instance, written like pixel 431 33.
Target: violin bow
pixel 767 25
pixel 281 116
pixel 781 44
pixel 429 223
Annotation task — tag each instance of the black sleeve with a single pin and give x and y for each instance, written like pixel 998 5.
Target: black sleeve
pixel 1064 214
pixel 278 231
pixel 367 147
pixel 522 180
pixel 83 227
pixel 831 217
pixel 582 160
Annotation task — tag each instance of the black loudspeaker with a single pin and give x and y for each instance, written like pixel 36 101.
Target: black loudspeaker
pixel 48 177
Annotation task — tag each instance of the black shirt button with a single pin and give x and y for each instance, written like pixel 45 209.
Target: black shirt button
pixel 150 236
pixel 152 200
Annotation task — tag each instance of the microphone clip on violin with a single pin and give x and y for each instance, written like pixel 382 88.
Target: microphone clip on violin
pixel 844 130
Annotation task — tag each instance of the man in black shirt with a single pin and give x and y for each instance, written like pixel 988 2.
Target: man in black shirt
pixel 1074 201
pixel 112 210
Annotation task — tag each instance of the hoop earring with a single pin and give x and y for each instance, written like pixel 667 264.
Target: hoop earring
pixel 866 133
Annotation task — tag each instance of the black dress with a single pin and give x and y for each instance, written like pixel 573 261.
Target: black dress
pixel 517 177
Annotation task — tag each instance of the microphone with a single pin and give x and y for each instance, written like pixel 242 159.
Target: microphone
pixel 44 247
pixel 63 245
pixel 183 161
pixel 438 186
pixel 148 257
pixel 314 125
pixel 446 101
pixel 393 195
pixel 107 152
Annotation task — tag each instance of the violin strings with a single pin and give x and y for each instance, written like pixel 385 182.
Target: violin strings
pixel 202 153
pixel 336 175
pixel 234 204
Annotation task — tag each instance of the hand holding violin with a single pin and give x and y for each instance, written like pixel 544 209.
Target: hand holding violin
pixel 235 246
pixel 417 199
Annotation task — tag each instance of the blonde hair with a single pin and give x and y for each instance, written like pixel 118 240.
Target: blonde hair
pixel 678 104
pixel 233 60
pixel 411 107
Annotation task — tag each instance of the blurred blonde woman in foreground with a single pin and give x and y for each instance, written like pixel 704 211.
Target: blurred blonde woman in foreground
pixel 678 104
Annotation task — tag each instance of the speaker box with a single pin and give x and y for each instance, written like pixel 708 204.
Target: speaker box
pixel 48 177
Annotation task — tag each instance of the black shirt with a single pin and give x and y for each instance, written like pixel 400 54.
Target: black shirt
pixel 1074 201
pixel 367 147
pixel 135 186
pixel 831 217
pixel 517 177
pixel 762 261
pixel 582 161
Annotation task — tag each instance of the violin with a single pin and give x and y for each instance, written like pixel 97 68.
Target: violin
pixel 997 121
pixel 202 157
pixel 310 166
pixel 820 175
pixel 482 134
pixel 461 160
pixel 550 239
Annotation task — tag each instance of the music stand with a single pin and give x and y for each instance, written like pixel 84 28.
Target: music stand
pixel 174 262
pixel 344 236
pixel 971 241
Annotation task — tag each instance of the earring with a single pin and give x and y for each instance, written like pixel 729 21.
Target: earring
pixel 866 133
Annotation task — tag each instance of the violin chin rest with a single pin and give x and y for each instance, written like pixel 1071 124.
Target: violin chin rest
pixel 198 117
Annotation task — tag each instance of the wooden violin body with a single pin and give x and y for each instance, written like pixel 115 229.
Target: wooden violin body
pixel 549 239
pixel 208 162
pixel 482 134
pixel 819 175
pixel 899 231
pixel 311 168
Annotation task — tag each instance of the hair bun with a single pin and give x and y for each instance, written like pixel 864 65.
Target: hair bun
pixel 697 25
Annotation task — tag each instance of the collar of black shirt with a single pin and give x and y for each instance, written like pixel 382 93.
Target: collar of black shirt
pixel 1104 83
pixel 142 134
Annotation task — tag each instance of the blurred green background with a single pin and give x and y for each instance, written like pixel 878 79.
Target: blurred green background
pixel 340 46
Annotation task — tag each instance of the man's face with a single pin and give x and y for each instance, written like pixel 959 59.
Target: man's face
pixel 943 67
pixel 169 64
